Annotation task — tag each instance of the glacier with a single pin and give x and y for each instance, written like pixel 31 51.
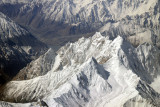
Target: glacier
pixel 119 66
pixel 92 72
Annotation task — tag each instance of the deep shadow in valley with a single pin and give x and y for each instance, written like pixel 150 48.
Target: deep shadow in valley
pixel 54 34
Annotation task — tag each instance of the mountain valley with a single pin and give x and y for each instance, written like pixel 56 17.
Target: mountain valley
pixel 79 53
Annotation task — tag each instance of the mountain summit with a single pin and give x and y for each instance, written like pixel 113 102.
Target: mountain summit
pixel 103 53
pixel 93 72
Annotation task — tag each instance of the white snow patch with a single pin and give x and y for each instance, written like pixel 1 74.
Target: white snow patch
pixel 156 84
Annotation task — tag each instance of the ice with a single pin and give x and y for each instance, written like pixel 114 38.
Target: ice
pixel 91 72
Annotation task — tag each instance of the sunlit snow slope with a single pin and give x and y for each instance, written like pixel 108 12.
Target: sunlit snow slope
pixel 93 72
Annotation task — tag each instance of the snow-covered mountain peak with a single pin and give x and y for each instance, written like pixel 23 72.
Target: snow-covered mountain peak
pixel 72 11
pixel 91 72
pixel 84 48
pixel 99 71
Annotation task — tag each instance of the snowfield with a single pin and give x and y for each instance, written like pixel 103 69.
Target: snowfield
pixel 92 72
pixel 119 66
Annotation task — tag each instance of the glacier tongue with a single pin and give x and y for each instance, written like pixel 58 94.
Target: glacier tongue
pixel 92 72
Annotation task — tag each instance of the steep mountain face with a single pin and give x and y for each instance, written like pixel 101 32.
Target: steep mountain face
pixel 93 72
pixel 137 28
pixel 59 21
pixel 12 59
pixel 37 67
pixel 13 34
pixel 17 47
pixel 99 71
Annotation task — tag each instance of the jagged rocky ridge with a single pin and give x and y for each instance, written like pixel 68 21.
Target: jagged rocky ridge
pixel 17 48
pixel 93 72
pixel 137 28
pixel 37 67
pixel 58 21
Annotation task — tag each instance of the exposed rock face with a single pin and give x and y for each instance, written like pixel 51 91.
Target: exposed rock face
pixel 59 21
pixel 17 47
pixel 37 67
pixel 93 72
pixel 137 28
pixel 99 71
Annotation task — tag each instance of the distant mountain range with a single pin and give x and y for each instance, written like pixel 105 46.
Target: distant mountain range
pixel 103 53
pixel 58 21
